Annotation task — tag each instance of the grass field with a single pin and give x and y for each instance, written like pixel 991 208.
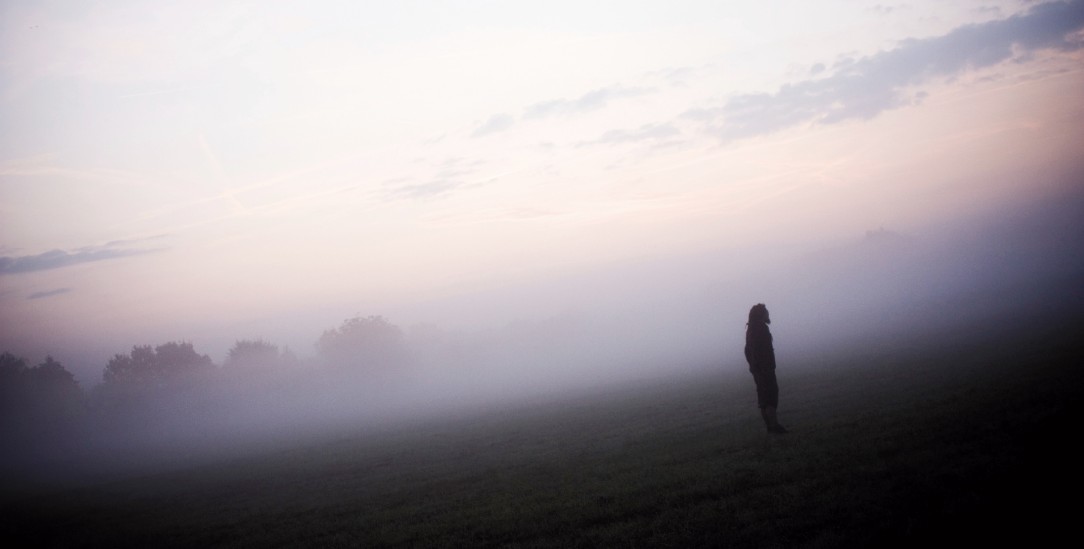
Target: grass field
pixel 964 442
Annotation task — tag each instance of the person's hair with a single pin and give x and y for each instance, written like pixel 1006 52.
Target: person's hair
pixel 759 313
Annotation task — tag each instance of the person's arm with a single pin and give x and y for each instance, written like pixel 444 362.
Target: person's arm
pixel 758 348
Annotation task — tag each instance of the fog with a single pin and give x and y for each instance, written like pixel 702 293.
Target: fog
pixel 238 228
pixel 483 352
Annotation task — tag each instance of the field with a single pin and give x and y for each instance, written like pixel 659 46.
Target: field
pixel 957 442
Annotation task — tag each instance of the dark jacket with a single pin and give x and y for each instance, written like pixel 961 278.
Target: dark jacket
pixel 759 352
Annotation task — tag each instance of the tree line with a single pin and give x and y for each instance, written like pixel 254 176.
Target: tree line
pixel 175 377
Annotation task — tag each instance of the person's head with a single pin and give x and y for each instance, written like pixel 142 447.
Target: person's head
pixel 759 313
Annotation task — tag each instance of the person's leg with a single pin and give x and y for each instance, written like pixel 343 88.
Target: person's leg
pixel 771 402
pixel 772 421
pixel 767 396
pixel 766 416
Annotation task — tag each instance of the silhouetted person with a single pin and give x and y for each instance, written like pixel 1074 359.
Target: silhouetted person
pixel 761 357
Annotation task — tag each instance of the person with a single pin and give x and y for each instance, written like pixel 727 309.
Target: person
pixel 760 354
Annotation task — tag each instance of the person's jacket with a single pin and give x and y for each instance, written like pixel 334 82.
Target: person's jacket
pixel 759 352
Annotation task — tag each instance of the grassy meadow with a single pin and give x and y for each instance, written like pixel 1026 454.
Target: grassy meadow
pixel 964 442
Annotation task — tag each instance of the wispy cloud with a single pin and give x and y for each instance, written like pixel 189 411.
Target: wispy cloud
pixel 589 101
pixel 442 178
pixel 430 189
pixel 676 76
pixel 500 215
pixel 866 87
pixel 496 123
pixel 130 241
pixel 882 9
pixel 48 293
pixel 55 259
pixel 647 132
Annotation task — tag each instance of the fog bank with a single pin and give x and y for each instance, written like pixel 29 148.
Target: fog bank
pixel 882 290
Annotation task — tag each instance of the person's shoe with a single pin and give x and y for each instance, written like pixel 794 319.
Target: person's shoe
pixel 767 417
pixel 771 421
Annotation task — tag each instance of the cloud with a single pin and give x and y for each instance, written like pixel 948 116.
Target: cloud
pixel 55 259
pixel 702 114
pixel 496 123
pixel 444 177
pixel 647 132
pixel 129 241
pixel 676 76
pixel 502 215
pixel 48 293
pixel 589 101
pixel 431 189
pixel 865 87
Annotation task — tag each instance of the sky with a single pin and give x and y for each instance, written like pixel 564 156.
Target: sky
pixel 214 171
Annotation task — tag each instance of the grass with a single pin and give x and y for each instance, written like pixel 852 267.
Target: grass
pixel 967 443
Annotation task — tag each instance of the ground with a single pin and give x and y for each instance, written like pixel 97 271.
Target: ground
pixel 958 442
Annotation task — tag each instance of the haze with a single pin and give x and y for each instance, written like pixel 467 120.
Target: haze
pixel 574 194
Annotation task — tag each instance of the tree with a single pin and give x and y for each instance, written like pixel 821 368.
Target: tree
pixel 55 392
pixel 52 378
pixel 13 383
pixel 257 378
pixel 171 380
pixel 368 344
pixel 46 394
pixel 253 353
pixel 166 365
